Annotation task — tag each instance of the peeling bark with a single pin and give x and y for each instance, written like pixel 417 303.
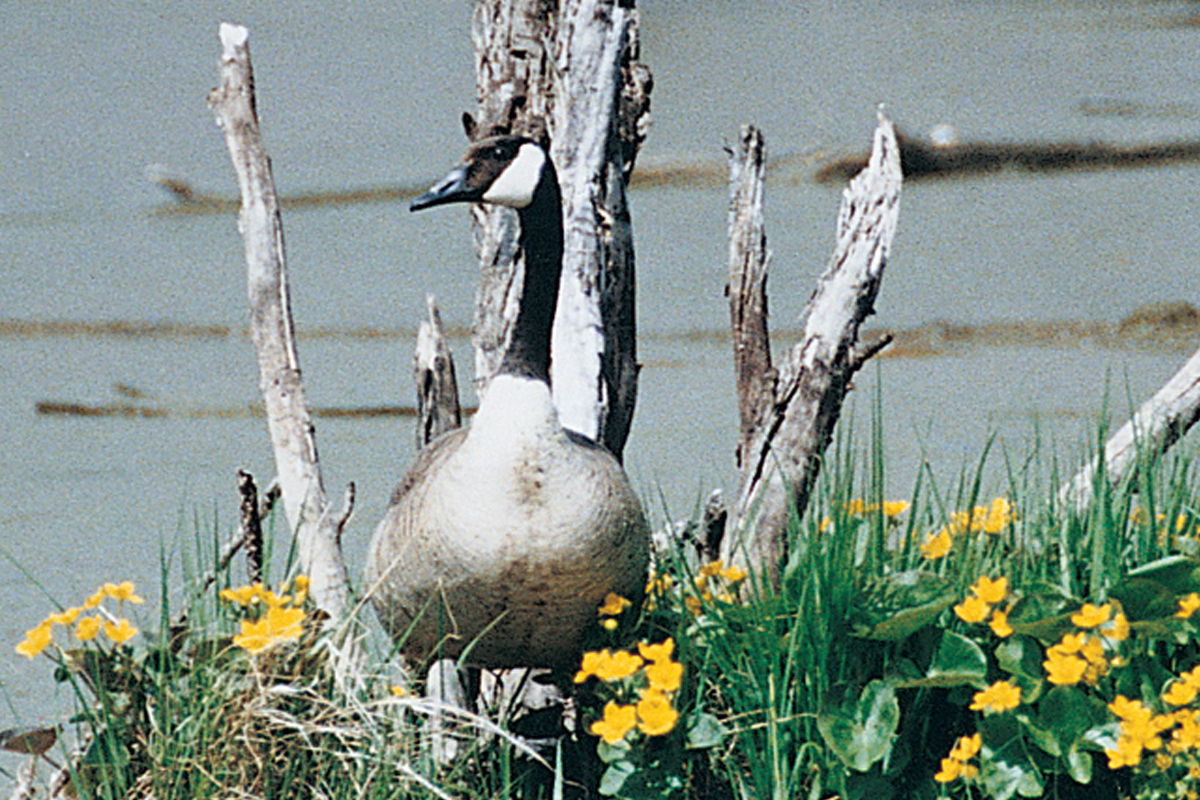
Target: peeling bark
pixel 788 418
pixel 567 72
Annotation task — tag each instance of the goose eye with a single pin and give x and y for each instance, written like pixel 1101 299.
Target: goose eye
pixel 499 153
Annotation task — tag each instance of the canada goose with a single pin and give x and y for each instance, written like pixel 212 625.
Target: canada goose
pixel 505 537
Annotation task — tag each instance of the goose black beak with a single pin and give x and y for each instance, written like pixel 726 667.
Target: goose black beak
pixel 453 188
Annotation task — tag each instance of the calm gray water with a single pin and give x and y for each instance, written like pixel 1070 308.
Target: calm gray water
pixel 370 95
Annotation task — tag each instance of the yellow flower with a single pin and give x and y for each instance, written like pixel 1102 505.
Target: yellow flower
pixel 399 691
pixel 1093 650
pixel 936 545
pixel 620 665
pixel 973 609
pixel 657 652
pixel 1128 753
pixel 1063 669
pixel 277 625
pixel 1090 616
pixel 1163 761
pixel 591 660
pixel 1180 693
pixel 1000 696
pixel 655 714
pixel 1188 605
pixel 300 586
pixel 243 595
pixel 967 747
pixel 733 574
pixel 120 632
pixel 894 508
pixel 1191 677
pixel 693 604
pixel 36 640
pixel 122 591
pixel 94 600
pixel 617 722
pixel 952 770
pixel 990 591
pixel 609 624
pixel 999 624
pixel 1117 630
pixel 994 518
pixel 64 618
pixel 1071 643
pixel 956 765
pixel 87 629
pixel 664 676
pixel 614 604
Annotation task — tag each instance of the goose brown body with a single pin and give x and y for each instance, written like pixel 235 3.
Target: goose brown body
pixel 504 538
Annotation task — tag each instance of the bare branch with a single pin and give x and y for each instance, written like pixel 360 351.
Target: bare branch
pixel 438 410
pixel 747 287
pixel 1158 424
pixel 288 417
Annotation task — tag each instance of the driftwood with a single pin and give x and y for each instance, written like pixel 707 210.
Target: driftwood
pixel 316 524
pixel 1158 424
pixel 569 72
pixel 921 158
pixel 788 415
pixel 438 410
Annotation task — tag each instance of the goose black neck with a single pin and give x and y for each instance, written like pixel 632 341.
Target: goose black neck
pixel 541 240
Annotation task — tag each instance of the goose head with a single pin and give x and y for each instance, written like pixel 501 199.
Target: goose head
pixel 516 171
pixel 503 170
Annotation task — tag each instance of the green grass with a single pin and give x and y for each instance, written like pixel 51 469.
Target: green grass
pixel 853 679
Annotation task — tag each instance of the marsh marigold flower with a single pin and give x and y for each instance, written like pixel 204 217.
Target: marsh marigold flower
pixel 1000 696
pixel 1064 669
pixel 936 545
pixel 613 605
pixel 655 713
pixel 608 666
pixel 973 609
pixel 1188 606
pixel 1180 693
pixel 277 625
pixel 956 766
pixel 1091 616
pixel 990 591
pixel 36 640
pixel 122 591
pixel 657 652
pixel 87 628
pixel 618 721
pixel 120 632
pixel 664 676
pixel 999 624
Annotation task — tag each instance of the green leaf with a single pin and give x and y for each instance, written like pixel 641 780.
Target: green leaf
pixel 895 607
pixel 958 661
pixel 1021 656
pixel 613 779
pixel 1069 712
pixel 1145 598
pixel 1005 766
pixel 902 624
pixel 1079 765
pixel 1180 574
pixel 862 735
pixel 704 731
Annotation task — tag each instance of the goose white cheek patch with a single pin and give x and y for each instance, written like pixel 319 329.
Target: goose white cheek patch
pixel 515 185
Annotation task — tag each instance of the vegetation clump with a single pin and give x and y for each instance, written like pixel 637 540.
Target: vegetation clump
pixel 926 647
